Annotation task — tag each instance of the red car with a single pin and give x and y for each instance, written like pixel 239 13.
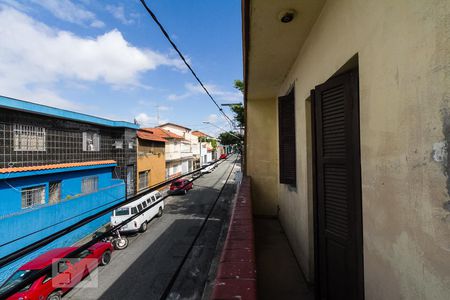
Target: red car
pixel 223 156
pixel 181 186
pixel 68 273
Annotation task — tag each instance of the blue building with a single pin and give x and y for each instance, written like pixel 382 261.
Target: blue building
pixel 56 168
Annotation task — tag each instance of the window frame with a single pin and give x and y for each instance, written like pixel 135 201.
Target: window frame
pixel 84 190
pixel 43 199
pixel 287 139
pixel 23 132
pixel 141 187
pixel 95 141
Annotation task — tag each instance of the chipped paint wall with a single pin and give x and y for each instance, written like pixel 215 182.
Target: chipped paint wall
pixel 403 55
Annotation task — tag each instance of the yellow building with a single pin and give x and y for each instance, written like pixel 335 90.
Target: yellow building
pixel 151 161
pixel 347 134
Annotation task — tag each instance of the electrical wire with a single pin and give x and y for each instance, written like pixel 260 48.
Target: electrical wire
pixel 163 30
pixel 60 222
pixel 202 227
pixel 30 279
pixel 45 241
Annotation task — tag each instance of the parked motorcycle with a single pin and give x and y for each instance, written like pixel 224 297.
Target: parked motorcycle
pixel 118 241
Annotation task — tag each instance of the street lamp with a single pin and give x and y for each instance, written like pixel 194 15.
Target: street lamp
pixel 222 129
pixel 230 104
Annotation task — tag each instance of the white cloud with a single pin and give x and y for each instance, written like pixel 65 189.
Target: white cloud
pixel 37 57
pixel 118 12
pixel 68 11
pixel 14 4
pixel 218 93
pixel 97 24
pixel 144 120
pixel 212 118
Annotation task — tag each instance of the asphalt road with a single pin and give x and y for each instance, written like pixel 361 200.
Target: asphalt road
pixel 145 268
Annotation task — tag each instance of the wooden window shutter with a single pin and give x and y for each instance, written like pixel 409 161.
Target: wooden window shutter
pixel 286 127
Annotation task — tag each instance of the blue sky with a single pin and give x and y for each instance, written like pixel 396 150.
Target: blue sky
pixel 108 58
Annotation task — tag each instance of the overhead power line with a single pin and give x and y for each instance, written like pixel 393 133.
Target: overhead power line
pixel 163 30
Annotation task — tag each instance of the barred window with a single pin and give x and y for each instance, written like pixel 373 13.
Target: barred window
pixel 33 196
pixel 143 179
pixel 28 138
pixel 89 185
pixel 54 192
pixel 91 141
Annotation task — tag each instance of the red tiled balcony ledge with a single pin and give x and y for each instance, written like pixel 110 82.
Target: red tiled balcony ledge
pixel 236 275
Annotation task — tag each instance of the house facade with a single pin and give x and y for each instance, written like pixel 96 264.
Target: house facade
pixel 172 151
pixel 347 131
pixel 205 147
pixel 56 168
pixel 151 159
pixel 186 161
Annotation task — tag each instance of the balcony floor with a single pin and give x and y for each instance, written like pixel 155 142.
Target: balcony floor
pixel 278 274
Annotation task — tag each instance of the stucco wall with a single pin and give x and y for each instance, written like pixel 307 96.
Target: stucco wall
pixel 151 157
pixel 262 154
pixel 403 53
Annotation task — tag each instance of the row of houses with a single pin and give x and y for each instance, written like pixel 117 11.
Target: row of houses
pixel 58 167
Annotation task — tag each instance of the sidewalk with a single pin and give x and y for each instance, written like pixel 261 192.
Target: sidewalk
pixel 278 274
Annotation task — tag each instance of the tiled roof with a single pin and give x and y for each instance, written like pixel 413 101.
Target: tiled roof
pixel 165 134
pixel 149 135
pixel 199 133
pixel 173 124
pixel 55 166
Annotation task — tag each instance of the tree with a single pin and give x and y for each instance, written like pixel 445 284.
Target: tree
pixel 238 109
pixel 239 84
pixel 205 139
pixel 230 138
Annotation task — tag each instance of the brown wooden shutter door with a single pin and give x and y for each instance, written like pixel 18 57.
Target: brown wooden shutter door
pixel 339 188
pixel 286 133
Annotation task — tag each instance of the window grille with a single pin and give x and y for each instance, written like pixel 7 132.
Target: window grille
pixel 33 196
pixel 89 185
pixel 29 138
pixel 54 192
pixel 91 141
pixel 143 180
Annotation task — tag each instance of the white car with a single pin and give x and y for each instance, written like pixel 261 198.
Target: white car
pixel 207 169
pixel 130 209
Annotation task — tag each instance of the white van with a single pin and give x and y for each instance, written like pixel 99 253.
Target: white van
pixel 130 209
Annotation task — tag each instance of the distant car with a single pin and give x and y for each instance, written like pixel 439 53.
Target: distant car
pixel 139 223
pixel 207 168
pixel 223 156
pixel 68 273
pixel 180 186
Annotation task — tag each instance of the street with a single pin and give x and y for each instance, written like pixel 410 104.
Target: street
pixel 145 268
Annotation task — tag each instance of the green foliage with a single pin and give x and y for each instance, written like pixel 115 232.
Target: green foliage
pixel 238 110
pixel 230 138
pixel 213 143
pixel 239 85
pixel 239 114
pixel 205 139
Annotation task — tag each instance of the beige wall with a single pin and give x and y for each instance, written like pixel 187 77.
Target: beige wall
pixel 403 50
pixel 262 154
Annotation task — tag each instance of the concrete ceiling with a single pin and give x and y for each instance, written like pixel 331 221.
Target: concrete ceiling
pixel 271 46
